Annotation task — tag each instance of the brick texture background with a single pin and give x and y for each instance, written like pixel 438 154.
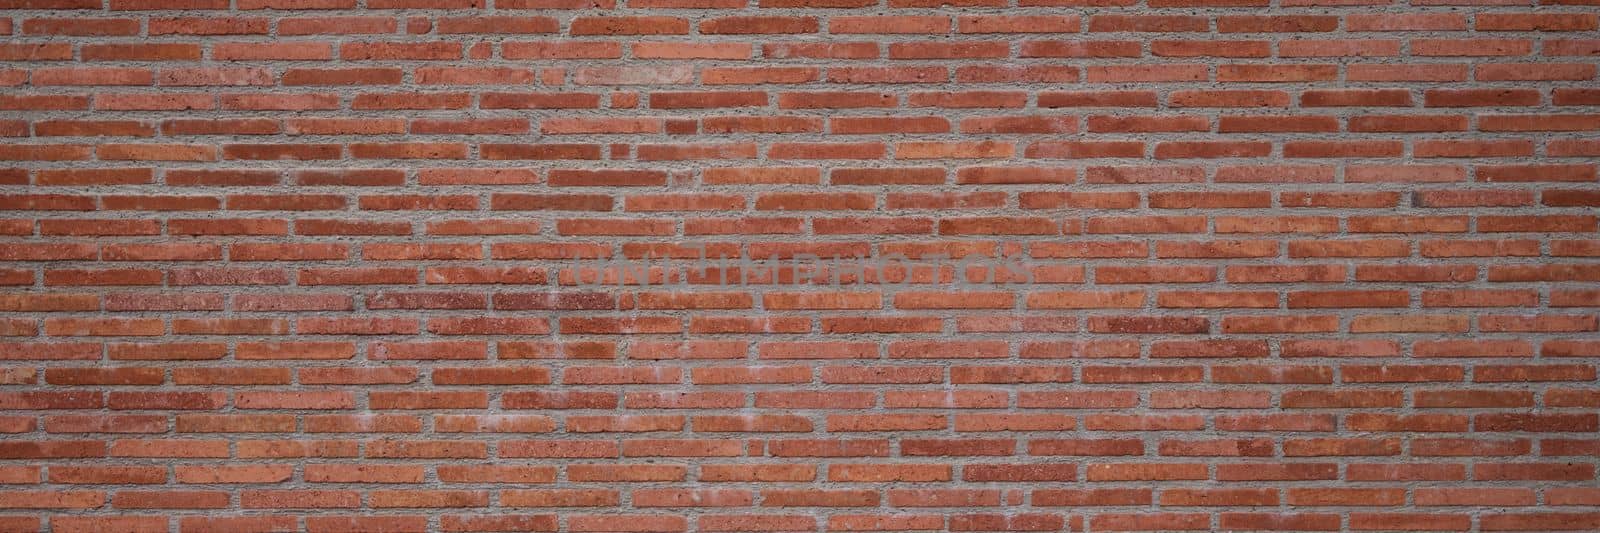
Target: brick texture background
pixel 324 265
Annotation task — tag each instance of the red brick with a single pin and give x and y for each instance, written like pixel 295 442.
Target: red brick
pixel 1303 262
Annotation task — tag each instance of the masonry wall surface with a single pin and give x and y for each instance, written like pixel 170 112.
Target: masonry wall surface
pixel 336 265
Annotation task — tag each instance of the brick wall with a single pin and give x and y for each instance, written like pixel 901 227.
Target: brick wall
pixel 1235 265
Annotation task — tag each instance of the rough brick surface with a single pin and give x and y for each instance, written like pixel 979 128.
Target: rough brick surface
pixel 333 265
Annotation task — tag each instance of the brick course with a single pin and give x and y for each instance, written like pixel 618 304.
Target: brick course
pixel 331 265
